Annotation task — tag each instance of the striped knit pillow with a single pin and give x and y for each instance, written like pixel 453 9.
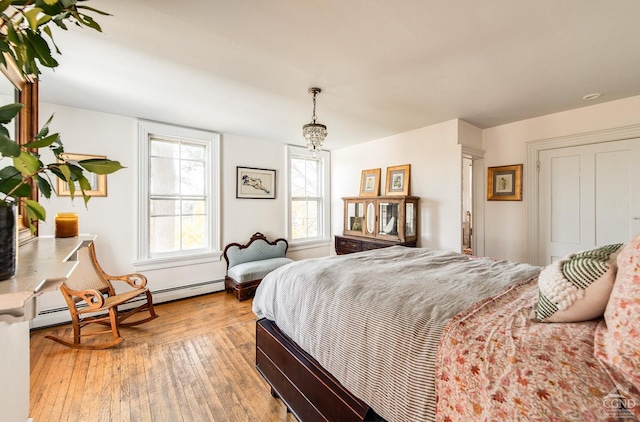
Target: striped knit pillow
pixel 577 287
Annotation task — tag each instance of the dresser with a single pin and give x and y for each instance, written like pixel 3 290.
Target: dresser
pixel 349 244
pixel 378 222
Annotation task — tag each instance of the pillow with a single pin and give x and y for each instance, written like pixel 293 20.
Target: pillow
pixel 617 339
pixel 577 287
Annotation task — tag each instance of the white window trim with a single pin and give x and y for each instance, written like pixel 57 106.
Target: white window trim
pixel 144 262
pixel 325 237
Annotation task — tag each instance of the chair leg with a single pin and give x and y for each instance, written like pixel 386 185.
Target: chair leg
pixel 77 325
pixel 76 329
pixel 113 318
pixel 148 307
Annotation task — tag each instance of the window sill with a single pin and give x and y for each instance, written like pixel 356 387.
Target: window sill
pixel 176 261
pixel 308 244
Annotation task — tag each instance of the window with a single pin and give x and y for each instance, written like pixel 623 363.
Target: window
pixel 308 195
pixel 178 195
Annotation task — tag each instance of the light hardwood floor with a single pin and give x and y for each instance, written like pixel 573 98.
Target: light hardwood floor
pixel 196 362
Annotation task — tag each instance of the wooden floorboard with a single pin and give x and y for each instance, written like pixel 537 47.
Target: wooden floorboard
pixel 196 362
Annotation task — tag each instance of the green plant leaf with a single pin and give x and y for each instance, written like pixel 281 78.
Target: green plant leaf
pixel 41 49
pixel 23 190
pixel 35 210
pixel 71 187
pixel 56 171
pixel 50 7
pixel 84 187
pixel 100 165
pixel 8 147
pixel 43 186
pixel 27 163
pixel 59 21
pixel 9 112
pixel 4 46
pixel 32 17
pixel 44 130
pixel 10 179
pixel 84 183
pixel 100 12
pixel 47 31
pixel 9 172
pixel 64 169
pixel 87 20
pixel 44 142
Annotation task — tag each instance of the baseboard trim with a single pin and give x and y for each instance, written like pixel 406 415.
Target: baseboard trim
pixel 58 316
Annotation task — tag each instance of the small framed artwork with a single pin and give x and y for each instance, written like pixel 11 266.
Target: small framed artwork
pixel 504 183
pixel 370 182
pixel 397 182
pixel 255 183
pixel 98 182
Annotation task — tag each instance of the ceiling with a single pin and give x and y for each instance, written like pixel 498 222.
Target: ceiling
pixel 385 67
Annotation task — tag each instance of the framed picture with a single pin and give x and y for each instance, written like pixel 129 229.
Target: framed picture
pixel 397 182
pixel 504 183
pixel 98 182
pixel 254 183
pixel 370 182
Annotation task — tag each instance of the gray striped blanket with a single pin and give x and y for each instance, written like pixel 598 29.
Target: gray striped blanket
pixel 374 319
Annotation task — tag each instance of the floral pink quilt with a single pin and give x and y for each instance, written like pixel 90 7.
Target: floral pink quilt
pixel 496 363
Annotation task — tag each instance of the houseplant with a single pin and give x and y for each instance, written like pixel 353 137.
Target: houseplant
pixel 27 41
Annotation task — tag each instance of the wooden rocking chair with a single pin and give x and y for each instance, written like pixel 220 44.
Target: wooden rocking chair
pixel 88 291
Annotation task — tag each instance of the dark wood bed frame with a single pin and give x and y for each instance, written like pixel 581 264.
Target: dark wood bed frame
pixel 307 389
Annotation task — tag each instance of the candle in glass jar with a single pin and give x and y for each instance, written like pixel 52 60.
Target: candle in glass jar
pixel 66 224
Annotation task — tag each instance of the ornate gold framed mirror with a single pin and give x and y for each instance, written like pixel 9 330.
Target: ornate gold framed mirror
pixel 26 127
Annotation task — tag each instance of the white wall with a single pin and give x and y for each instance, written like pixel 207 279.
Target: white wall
pixel 435 158
pixel 114 218
pixel 505 222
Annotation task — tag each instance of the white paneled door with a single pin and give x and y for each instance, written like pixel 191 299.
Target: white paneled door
pixel 589 196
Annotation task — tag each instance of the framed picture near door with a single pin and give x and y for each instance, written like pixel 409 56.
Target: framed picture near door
pixel 504 183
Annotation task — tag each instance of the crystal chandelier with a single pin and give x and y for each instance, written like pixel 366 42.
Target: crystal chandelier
pixel 314 132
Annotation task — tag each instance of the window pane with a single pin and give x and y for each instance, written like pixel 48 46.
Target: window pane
pixel 298 181
pixel 193 181
pixel 193 232
pixel 164 234
pixel 312 187
pixel 193 152
pixel 164 149
pixel 164 176
pixel 160 207
pixel 194 207
pixel 304 219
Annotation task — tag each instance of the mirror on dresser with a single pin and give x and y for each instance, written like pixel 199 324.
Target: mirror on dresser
pixel 15 88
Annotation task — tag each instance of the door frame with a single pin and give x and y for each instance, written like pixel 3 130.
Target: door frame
pixel 531 183
pixel 478 187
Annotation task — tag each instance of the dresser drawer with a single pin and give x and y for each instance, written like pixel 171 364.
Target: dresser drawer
pixel 348 245
pixel 368 246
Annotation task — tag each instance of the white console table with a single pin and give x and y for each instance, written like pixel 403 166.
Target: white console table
pixel 43 264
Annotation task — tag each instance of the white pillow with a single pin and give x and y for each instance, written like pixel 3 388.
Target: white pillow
pixel 577 288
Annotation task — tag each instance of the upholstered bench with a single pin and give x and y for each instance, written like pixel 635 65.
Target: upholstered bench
pixel 248 264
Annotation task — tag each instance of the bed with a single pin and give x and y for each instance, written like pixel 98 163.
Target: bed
pixel 406 334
